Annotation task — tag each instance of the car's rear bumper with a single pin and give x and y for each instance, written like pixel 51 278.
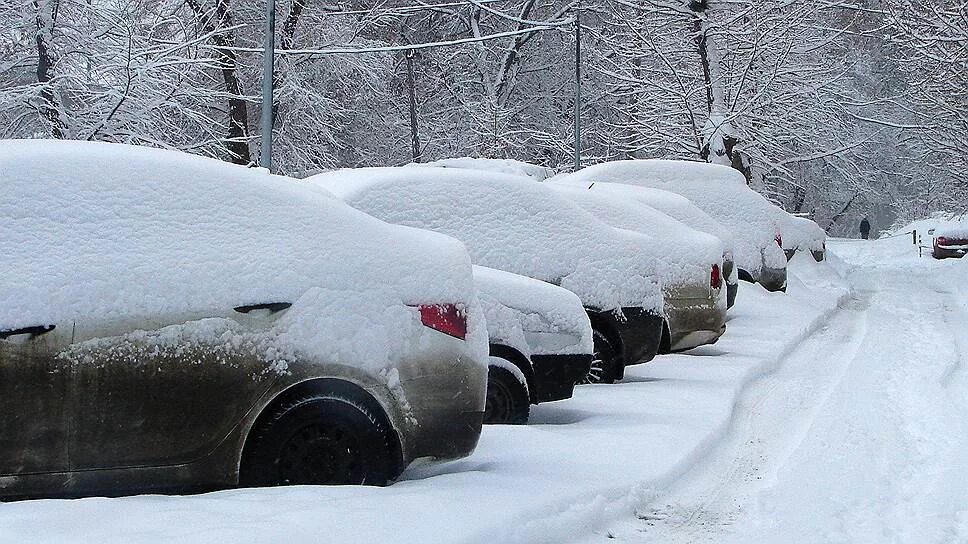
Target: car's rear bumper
pixel 445 435
pixel 555 376
pixel 695 321
pixel 638 332
pixel 948 253
pixel 731 290
pixel 773 279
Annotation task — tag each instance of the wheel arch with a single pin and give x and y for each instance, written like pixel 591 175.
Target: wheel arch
pixel 516 358
pixel 316 386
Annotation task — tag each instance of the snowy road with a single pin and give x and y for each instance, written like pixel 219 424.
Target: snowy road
pixel 860 436
pixel 827 414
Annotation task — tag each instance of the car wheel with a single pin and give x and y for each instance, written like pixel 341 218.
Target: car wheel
pixel 507 400
pixel 319 439
pixel 604 365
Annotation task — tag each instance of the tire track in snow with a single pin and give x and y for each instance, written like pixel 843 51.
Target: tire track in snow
pixel 760 438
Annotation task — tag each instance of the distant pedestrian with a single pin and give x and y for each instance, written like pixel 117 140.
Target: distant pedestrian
pixel 865 228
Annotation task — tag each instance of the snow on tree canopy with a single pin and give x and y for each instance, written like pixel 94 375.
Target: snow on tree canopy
pixel 511 224
pixel 539 308
pixel 803 233
pixel 110 231
pixel 499 166
pixel 688 255
pixel 720 191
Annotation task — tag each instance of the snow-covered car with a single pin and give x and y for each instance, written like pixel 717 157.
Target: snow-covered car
pixel 540 343
pixel 499 166
pixel 722 193
pixel 679 208
pixel 690 267
pixel 169 322
pixel 950 240
pixel 802 234
pixel 519 226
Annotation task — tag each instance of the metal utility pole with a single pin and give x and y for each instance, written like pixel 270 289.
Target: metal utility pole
pixel 577 113
pixel 414 135
pixel 268 58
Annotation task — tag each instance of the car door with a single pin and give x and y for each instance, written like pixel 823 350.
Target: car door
pixel 163 391
pixel 33 399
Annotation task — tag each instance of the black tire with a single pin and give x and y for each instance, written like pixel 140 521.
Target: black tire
pixel 507 401
pixel 319 439
pixel 604 367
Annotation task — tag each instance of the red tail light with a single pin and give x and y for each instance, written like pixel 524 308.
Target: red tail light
pixel 715 277
pixel 446 318
pixel 779 240
pixel 941 241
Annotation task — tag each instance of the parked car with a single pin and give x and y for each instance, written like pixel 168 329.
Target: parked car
pixel 690 268
pixel 169 323
pixel 540 343
pixel 802 234
pixel 719 191
pixel 518 226
pixel 679 208
pixel 950 240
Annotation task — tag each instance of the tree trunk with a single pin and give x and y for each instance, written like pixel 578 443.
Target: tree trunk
pixel 237 137
pixel 414 135
pixel 46 65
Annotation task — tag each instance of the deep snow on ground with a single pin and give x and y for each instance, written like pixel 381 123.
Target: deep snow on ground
pixel 581 466
pixel 860 436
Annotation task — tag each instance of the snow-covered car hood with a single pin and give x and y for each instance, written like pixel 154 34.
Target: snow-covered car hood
pixel 552 320
pixel 511 224
pixel 718 190
pixel 687 255
pixel 237 236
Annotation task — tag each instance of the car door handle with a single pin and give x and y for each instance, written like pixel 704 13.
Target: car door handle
pixel 36 330
pixel 271 306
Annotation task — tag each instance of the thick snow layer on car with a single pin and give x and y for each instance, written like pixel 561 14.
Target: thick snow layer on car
pixel 511 224
pixel 957 229
pixel 95 231
pixel 500 166
pixel 552 319
pixel 687 254
pixel 718 190
pixel 804 234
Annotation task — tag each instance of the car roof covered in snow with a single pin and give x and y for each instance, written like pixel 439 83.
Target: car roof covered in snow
pixel 511 224
pixel 953 228
pixel 687 253
pixel 718 190
pixel 498 166
pixel 110 231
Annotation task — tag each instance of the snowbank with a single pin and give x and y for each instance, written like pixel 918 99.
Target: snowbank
pixel 100 232
pixel 498 166
pixel 510 224
pixel 718 190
